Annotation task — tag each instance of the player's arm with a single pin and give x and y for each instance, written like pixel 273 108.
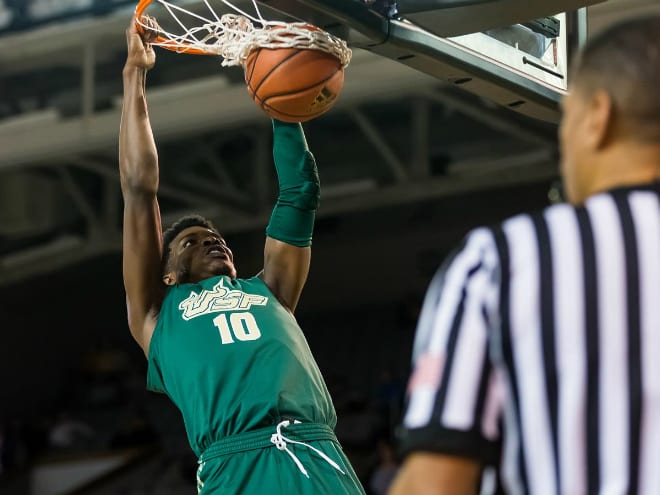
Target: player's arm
pixel 448 434
pixel 426 473
pixel 287 252
pixel 138 167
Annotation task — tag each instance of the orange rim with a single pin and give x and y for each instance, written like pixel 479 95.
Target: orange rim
pixel 162 41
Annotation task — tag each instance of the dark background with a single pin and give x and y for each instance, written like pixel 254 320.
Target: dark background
pixel 406 171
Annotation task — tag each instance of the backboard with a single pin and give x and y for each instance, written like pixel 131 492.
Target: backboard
pixel 515 53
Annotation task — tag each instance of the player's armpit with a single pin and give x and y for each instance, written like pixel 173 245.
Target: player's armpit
pixel 435 474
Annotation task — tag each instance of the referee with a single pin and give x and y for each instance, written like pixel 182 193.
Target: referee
pixel 538 346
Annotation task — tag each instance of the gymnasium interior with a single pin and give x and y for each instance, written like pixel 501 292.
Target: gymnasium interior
pixel 425 142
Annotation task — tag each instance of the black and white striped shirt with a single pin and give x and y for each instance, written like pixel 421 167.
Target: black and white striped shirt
pixel 542 336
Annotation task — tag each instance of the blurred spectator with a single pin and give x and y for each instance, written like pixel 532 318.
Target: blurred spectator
pixel 385 470
pixel 69 433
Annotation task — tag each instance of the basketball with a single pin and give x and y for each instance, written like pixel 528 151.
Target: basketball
pixel 293 84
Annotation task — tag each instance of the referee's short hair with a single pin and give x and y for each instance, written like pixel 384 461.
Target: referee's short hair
pixel 624 60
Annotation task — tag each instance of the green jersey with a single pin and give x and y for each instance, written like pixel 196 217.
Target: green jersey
pixel 233 359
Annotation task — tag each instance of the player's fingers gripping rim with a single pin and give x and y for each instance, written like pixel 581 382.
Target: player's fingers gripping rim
pixel 147 28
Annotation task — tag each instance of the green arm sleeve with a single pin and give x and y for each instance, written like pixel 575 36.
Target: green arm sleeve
pixel 292 220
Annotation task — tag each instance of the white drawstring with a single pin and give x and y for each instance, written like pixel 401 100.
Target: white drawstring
pixel 200 483
pixel 281 441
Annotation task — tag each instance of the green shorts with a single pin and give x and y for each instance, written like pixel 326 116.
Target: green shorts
pixel 261 462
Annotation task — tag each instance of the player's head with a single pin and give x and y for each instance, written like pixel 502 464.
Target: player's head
pixel 613 104
pixel 193 250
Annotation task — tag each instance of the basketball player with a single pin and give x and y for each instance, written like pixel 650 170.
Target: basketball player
pixel 228 351
pixel 543 333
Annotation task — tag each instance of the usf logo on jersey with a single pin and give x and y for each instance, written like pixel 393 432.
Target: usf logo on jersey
pixel 218 300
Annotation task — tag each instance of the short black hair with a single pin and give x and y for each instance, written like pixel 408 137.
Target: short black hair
pixel 177 227
pixel 624 61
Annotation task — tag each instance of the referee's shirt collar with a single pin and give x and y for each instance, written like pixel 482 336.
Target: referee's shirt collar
pixel 644 186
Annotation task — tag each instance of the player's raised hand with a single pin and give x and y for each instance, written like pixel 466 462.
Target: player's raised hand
pixel 140 52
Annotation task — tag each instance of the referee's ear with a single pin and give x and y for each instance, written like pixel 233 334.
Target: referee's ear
pixel 556 193
pixel 599 120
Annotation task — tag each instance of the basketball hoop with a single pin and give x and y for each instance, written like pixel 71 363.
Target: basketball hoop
pixel 232 36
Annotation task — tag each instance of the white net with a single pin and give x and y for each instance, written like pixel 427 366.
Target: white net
pixel 232 36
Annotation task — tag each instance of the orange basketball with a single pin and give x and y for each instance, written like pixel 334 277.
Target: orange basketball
pixel 293 84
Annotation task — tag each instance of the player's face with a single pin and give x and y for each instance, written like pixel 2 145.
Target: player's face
pixel 574 155
pixel 198 253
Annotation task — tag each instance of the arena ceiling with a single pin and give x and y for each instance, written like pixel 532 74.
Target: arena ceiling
pixel 396 137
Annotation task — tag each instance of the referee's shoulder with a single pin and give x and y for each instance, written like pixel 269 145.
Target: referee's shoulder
pixel 540 215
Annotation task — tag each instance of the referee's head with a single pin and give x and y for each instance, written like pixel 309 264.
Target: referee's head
pixel 610 130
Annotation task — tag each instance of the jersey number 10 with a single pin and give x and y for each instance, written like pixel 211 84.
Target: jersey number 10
pixel 242 326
